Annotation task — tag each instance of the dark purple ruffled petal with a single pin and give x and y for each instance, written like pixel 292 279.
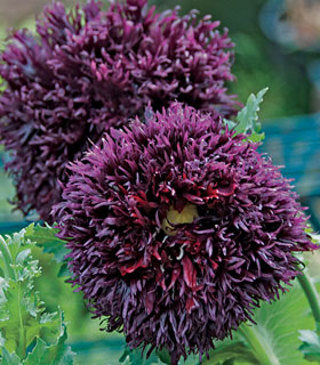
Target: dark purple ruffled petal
pixel 92 69
pixel 184 286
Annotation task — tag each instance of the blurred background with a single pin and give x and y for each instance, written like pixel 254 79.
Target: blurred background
pixel 277 45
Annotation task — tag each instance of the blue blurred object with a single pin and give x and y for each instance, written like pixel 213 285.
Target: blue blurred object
pixel 106 352
pixel 275 26
pixel 272 27
pixel 294 142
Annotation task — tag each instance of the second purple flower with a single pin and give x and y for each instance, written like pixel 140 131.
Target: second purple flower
pixel 92 69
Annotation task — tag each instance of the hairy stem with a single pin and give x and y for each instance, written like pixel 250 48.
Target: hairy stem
pixel 312 295
pixel 261 349
pixel 21 350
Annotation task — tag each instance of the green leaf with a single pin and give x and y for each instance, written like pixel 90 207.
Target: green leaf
pixel 164 356
pixel 23 318
pixel 278 325
pixel 9 359
pixel 247 118
pixel 45 236
pixel 19 305
pixel 315 238
pixel 135 357
pixel 63 271
pixel 228 351
pixel 38 354
pixel 58 353
pixel 310 345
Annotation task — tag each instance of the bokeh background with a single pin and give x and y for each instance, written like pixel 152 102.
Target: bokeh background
pixel 277 45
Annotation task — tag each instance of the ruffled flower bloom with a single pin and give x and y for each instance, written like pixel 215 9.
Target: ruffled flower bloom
pixel 177 229
pixel 92 69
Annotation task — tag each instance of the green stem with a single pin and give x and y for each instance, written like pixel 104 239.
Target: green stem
pixel 312 296
pixel 21 350
pixel 261 349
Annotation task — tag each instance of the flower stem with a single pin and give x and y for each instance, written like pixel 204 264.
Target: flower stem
pixel 21 350
pixel 261 348
pixel 312 296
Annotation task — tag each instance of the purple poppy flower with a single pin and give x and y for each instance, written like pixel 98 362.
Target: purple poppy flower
pixel 92 69
pixel 177 229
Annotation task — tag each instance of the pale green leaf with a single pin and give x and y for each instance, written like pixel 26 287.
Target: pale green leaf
pixel 247 118
pixel 22 256
pixel 278 326
pixel 229 351
pixel 9 358
pixel 45 236
pixel 310 345
pixel 23 319
pixel 315 238
pixel 58 353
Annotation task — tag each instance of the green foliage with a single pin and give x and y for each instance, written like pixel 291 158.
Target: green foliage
pixel 315 238
pixel 164 356
pixel 57 353
pixel 45 237
pixel 247 118
pixel 274 340
pixel 277 328
pixel 24 322
pixel 9 359
pixel 310 345
pixel 135 357
pixel 228 351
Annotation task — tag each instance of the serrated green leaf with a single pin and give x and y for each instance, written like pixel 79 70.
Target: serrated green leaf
pixel 23 318
pixel 45 236
pixel 315 238
pixel 9 359
pixel 164 356
pixel 310 345
pixel 38 354
pixel 247 117
pixel 64 271
pixel 58 353
pixel 230 123
pixel 191 360
pixel 22 256
pixel 278 326
pixel 19 304
pixel 135 357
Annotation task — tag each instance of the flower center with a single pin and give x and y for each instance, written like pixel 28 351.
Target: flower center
pixel 174 217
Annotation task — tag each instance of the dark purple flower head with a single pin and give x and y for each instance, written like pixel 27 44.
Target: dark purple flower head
pixel 91 69
pixel 177 229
